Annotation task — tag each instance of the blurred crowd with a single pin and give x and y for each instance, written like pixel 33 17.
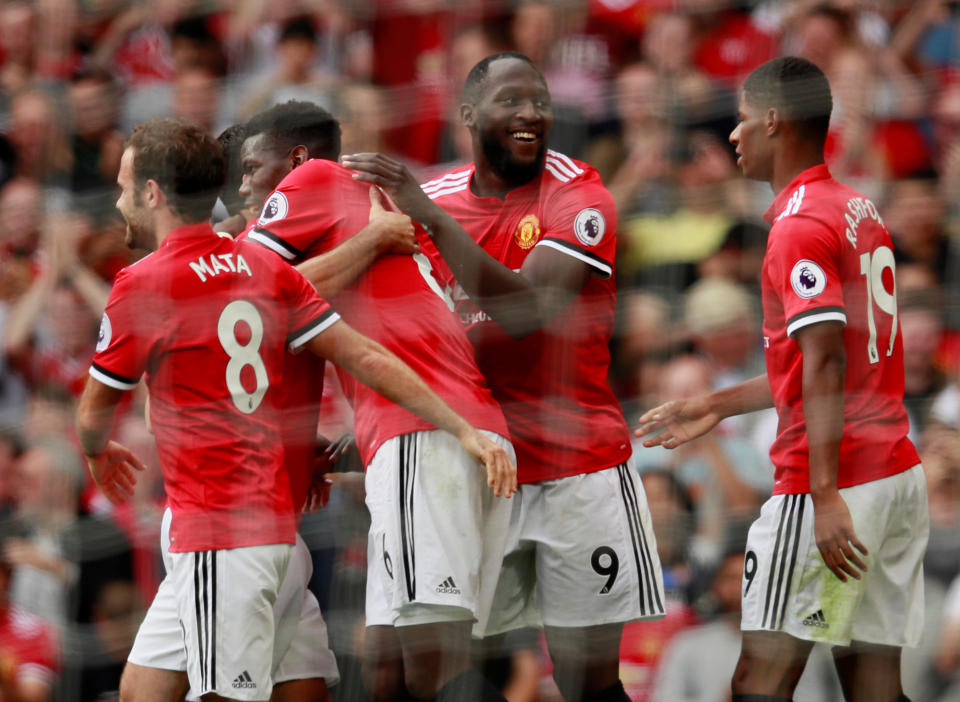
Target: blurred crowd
pixel 644 90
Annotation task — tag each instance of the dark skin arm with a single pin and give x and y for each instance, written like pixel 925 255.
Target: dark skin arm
pixel 387 232
pixel 520 302
pixel 678 421
pixel 112 465
pixel 379 369
pixel 824 373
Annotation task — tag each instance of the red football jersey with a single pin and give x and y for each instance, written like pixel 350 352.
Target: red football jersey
pixel 28 645
pixel 564 418
pixel 829 257
pixel 396 302
pixel 302 402
pixel 208 319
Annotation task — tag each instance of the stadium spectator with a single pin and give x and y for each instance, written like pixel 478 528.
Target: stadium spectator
pixel 62 556
pixel 96 142
pixel 29 656
pixel 915 213
pixel 48 330
pixel 38 137
pixel 693 99
pixel 921 321
pixel 363 110
pixel 296 75
pixel 641 172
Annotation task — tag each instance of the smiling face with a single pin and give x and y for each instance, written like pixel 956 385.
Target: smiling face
pixel 751 138
pixel 141 233
pixel 511 120
pixel 263 168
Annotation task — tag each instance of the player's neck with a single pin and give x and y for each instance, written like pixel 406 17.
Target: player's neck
pixel 166 222
pixel 790 163
pixel 486 183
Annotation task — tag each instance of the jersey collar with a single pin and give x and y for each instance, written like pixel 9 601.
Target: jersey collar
pixel 531 186
pixel 189 231
pixel 815 173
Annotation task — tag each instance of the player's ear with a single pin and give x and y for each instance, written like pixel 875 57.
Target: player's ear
pixel 772 121
pixel 299 155
pixel 152 194
pixel 468 116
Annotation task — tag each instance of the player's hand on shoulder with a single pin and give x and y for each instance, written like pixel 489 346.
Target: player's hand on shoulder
pixel 501 470
pixel 393 230
pixel 836 538
pixel 113 471
pixel 395 179
pixel 676 422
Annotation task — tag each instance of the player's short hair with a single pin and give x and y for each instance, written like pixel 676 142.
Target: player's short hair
pixel 478 74
pixel 231 140
pixel 796 87
pixel 185 161
pixel 295 123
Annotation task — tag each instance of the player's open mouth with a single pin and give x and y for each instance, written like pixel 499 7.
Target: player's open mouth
pixel 525 137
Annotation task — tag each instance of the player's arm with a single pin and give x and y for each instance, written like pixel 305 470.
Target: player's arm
pixel 824 375
pixel 387 232
pixel 678 421
pixel 111 464
pixel 520 302
pixel 379 369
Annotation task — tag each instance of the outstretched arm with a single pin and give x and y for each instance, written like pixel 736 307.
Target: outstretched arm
pixel 387 232
pixel 377 368
pixel 679 421
pixel 520 302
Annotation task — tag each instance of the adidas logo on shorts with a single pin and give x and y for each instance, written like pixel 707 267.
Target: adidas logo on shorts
pixel 244 680
pixel 817 619
pixel 448 587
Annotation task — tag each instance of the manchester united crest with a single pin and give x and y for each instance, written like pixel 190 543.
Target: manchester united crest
pixel 528 232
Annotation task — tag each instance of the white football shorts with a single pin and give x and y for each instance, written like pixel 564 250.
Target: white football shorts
pixel 581 552
pixel 299 650
pixel 437 533
pixel 787 586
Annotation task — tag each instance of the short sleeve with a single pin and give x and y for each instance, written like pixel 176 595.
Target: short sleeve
pixel 803 269
pixel 298 214
pixel 311 314
pixel 581 221
pixel 127 333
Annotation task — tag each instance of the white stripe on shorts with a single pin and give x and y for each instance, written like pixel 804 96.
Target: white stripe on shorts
pixel 784 559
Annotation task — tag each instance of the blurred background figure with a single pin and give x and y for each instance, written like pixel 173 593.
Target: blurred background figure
pixel 29 655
